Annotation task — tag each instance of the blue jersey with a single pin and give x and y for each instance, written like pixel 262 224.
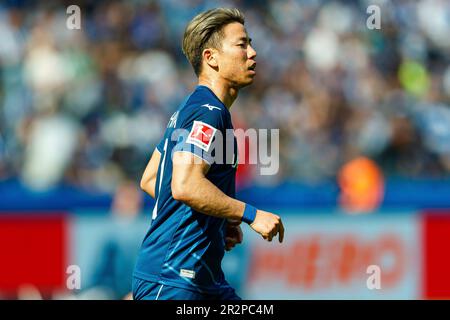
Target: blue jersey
pixel 184 248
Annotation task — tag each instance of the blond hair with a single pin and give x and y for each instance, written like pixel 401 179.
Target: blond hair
pixel 205 31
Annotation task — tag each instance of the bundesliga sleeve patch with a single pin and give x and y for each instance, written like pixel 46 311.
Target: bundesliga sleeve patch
pixel 201 135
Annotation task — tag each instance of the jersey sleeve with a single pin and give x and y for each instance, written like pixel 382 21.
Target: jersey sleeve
pixel 202 134
pixel 160 146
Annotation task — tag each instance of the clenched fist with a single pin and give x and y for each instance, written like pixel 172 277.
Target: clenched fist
pixel 233 234
pixel 268 225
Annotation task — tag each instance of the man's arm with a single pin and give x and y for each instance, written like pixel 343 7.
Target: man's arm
pixel 190 186
pixel 148 180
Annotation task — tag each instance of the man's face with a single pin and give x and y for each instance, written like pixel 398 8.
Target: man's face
pixel 236 57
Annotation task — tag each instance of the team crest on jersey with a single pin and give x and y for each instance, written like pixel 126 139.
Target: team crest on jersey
pixel 201 135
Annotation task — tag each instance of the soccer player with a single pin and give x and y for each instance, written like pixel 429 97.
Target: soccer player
pixel 196 216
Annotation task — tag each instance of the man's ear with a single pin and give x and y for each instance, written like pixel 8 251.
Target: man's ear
pixel 210 57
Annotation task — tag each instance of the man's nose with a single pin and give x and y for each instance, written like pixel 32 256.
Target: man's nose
pixel 251 52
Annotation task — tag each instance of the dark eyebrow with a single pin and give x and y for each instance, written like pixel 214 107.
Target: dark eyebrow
pixel 245 39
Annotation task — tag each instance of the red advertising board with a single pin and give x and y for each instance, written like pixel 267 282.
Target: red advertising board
pixel 33 252
pixel 436 255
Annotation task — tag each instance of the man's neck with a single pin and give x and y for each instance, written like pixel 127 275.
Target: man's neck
pixel 224 92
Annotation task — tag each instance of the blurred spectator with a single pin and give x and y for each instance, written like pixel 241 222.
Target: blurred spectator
pixel 117 256
pixel 362 186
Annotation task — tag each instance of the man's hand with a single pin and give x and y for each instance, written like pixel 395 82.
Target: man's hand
pixel 268 225
pixel 233 235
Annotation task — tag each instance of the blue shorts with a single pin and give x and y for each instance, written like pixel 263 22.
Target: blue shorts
pixel 147 290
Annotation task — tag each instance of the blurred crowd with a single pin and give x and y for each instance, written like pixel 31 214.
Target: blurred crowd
pixel 88 106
